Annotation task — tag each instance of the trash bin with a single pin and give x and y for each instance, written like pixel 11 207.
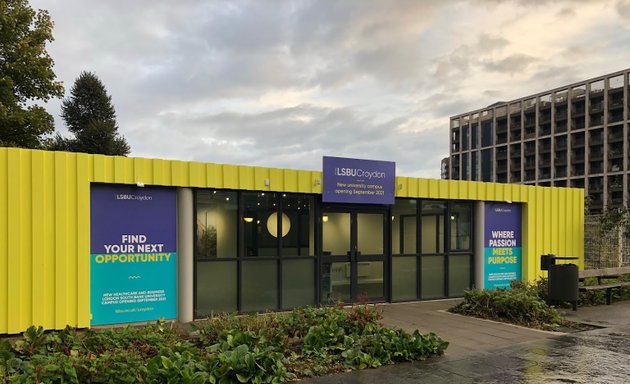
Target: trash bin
pixel 563 283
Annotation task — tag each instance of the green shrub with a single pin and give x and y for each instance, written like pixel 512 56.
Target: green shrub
pixel 270 348
pixel 519 305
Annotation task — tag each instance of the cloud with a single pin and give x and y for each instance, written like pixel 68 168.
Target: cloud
pixel 281 83
pixel 623 9
pixel 511 64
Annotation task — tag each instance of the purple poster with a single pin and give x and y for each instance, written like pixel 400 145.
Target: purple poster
pixel 132 254
pixel 358 181
pixel 502 244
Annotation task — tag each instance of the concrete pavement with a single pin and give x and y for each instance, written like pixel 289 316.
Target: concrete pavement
pixel 487 352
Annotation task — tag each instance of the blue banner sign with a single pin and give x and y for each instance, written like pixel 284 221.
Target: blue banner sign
pixel 358 181
pixel 502 244
pixel 133 262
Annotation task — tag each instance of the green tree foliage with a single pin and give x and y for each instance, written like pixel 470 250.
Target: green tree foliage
pixel 26 74
pixel 90 116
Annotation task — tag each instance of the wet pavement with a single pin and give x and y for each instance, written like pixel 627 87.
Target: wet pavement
pixel 596 356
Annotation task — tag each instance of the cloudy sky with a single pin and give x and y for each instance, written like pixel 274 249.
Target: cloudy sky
pixel 282 83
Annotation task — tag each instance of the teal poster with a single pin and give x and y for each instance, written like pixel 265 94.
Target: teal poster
pixel 502 244
pixel 133 259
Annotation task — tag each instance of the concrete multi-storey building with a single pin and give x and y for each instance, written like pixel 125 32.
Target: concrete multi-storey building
pixel 570 136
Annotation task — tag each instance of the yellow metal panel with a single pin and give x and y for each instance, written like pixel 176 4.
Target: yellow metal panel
pixel 98 162
pixel 36 238
pixel 412 187
pixel 557 224
pixel 214 175
pixel 423 188
pixel 158 172
pixel 61 246
pixel 13 242
pixel 197 175
pixel 516 192
pixel 83 241
pixel 434 192
pixel 546 211
pixel 304 182
pixel 290 180
pixel 400 187
pixel 121 175
pixel 48 216
pixel 276 179
pixel 246 178
pixel 471 187
pixel 230 176
pixel 316 180
pixel 453 189
pixel 71 240
pixel 4 240
pixel 579 239
pixel 260 176
pixel 26 243
pixel 180 173
pixel 482 191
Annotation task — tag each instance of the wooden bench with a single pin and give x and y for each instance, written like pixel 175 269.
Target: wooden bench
pixel 603 274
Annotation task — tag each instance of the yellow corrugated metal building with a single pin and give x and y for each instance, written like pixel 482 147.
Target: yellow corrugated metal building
pixel 45 220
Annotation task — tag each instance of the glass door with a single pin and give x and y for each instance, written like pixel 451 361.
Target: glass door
pixel 353 256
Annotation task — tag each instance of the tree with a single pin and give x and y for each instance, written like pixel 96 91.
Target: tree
pixel 26 74
pixel 90 116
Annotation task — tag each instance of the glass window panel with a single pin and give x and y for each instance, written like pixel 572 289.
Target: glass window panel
pixel 216 288
pixel 404 227
pixel 486 133
pixel 465 138
pixel 335 282
pixel 432 277
pixel 465 166
pixel 404 278
pixel 461 225
pixel 260 224
pixel 298 283
pixel 217 213
pixel 336 233
pixel 597 86
pixel 370 233
pixel 486 165
pixel 561 96
pixel 432 231
pixel 429 235
pixel 369 279
pixel 474 142
pixel 300 238
pixel 259 291
pixel 528 104
pixel 615 82
pixel 458 275
pixel 473 166
pixel 578 92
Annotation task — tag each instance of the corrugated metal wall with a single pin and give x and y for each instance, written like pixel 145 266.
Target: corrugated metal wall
pixel 45 219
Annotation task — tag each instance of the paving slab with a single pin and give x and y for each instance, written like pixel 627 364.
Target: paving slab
pixel 488 352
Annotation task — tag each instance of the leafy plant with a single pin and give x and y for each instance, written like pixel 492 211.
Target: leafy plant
pixel 269 348
pixel 520 305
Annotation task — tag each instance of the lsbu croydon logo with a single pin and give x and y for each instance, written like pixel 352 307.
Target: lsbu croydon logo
pixel 122 196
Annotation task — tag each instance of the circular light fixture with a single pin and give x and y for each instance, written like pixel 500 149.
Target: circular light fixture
pixel 272 224
pixel 248 219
